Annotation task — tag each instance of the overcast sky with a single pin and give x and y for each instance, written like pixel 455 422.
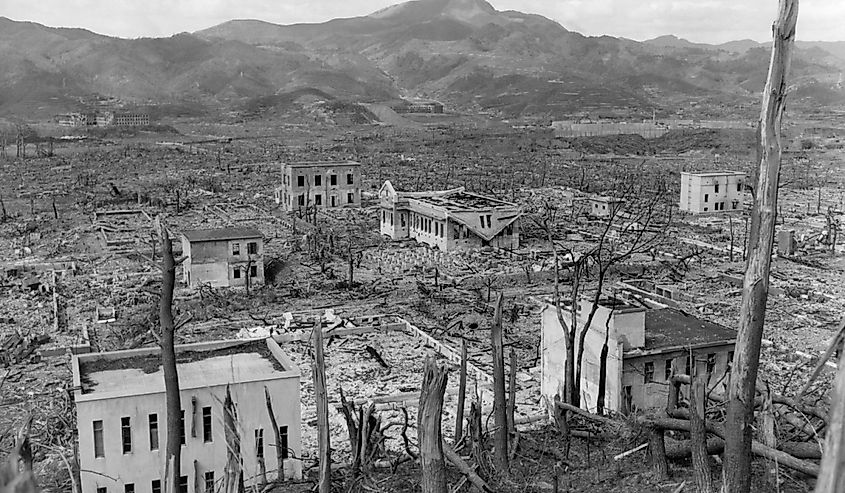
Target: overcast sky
pixel 712 21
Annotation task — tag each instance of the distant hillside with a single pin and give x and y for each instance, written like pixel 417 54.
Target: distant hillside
pixel 463 52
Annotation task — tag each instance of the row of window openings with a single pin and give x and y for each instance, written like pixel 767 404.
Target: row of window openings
pixel 318 199
pixel 648 370
pixel 318 180
pixel 126 434
pixel 719 206
pixel 253 272
pixel 155 485
pixel 716 188
pixel 251 248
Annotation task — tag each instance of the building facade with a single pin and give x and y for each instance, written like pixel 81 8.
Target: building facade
pixel 646 346
pixel 601 206
pixel 448 220
pixel 321 184
pixel 122 421
pixel 227 257
pixel 712 191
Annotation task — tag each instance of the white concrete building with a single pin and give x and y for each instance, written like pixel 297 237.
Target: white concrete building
pixel 122 425
pixel 712 191
pixel 225 257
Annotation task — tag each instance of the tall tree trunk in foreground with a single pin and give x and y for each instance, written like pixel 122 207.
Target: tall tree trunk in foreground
pixel 318 368
pixel 280 453
pixel 740 404
pixel 698 434
pixel 172 468
pixel 233 472
pixel 429 433
pixel 500 414
pixel 832 476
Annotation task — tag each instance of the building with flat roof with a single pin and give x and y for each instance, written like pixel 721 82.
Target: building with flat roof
pixel 712 191
pixel 603 206
pixel 449 219
pixel 225 257
pixel 646 346
pixel 122 423
pixel 320 184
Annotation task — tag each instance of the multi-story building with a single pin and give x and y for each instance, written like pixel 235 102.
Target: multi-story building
pixel 131 119
pixel 712 191
pixel 227 257
pixel 450 219
pixel 645 347
pixel 321 184
pixel 122 422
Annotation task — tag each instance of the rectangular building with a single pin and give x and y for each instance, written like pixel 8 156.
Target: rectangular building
pixel 122 423
pixel 645 348
pixel 320 184
pixel 226 257
pixel 712 191
pixel 449 220
pixel 602 206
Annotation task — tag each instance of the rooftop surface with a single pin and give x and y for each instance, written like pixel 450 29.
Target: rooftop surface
pixel 311 164
pixel 197 235
pixel 135 372
pixel 465 201
pixel 714 173
pixel 669 327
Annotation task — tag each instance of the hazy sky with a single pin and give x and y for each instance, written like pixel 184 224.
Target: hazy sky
pixel 712 21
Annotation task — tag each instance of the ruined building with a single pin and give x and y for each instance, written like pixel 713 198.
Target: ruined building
pixel 602 206
pixel 645 347
pixel 122 422
pixel 450 219
pixel 226 257
pixel 320 184
pixel 712 191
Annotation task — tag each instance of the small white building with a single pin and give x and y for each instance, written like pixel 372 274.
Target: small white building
pixel 712 191
pixel 225 257
pixel 122 423
pixel 601 206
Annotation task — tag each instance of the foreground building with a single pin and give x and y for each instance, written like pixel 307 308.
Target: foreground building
pixel 712 191
pixel 226 257
pixel 450 219
pixel 645 347
pixel 122 421
pixel 321 184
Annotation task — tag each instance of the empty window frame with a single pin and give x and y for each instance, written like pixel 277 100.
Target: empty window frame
pixel 730 360
pixel 102 489
pixel 318 199
pixel 489 221
pixel 300 181
pixel 253 271
pixel 301 199
pixel 333 180
pixel 667 370
pixel 126 434
pixel 259 443
pixel 711 363
pixel 182 428
pixel 236 273
pixel 183 484
pixel 318 180
pixel 706 197
pixel 153 419
pixel 350 179
pixel 155 486
pixel 99 448
pixel 334 201
pixel 209 482
pixel 739 187
pixel 252 248
pixel 717 188
pixel 206 424
pixel 236 248
pixel 350 198
pixel 648 372
pixel 129 488
pixel 283 436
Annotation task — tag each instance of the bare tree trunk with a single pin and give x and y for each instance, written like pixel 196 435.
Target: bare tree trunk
pixel 740 404
pixel 280 456
pixel 698 434
pixel 168 363
pixel 832 476
pixel 462 393
pixel 432 463
pixel 512 393
pixel 500 435
pixel 233 473
pixel 768 435
pixel 318 368
pixel 657 452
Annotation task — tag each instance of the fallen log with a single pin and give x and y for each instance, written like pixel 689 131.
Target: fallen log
pixel 680 450
pixel 465 469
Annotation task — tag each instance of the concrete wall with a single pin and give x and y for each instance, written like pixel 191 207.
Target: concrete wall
pixel 142 465
pixel 647 130
pixel 699 195
pixel 212 262
pixel 291 190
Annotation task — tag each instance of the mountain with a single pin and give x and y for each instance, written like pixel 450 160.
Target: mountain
pixel 464 52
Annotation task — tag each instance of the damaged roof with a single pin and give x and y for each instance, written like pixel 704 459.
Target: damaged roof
pixel 672 328
pixel 200 235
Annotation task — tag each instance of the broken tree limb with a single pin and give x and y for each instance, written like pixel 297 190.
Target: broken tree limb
pixel 457 461
pixel 500 417
pixel 280 453
pixel 429 435
pixel 462 391
pixel 832 477
pixel 835 343
pixel 592 417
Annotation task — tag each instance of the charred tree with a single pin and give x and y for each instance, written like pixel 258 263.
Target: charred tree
pixel 500 416
pixel 740 404
pixel 832 475
pixel 429 433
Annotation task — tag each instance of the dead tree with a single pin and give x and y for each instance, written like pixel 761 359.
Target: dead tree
pixel 462 391
pixel 366 434
pixel 832 475
pixel 740 405
pixel 168 362
pixel 318 369
pixel 500 416
pixel 233 472
pixel 698 434
pixel 280 451
pixel 16 471
pixel 429 433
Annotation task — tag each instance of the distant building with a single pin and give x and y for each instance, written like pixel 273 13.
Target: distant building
pixel 121 416
pixel 321 184
pixel 712 191
pixel 226 257
pixel 131 119
pixel 72 119
pixel 645 347
pixel 105 119
pixel 602 206
pixel 420 106
pixel 449 220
